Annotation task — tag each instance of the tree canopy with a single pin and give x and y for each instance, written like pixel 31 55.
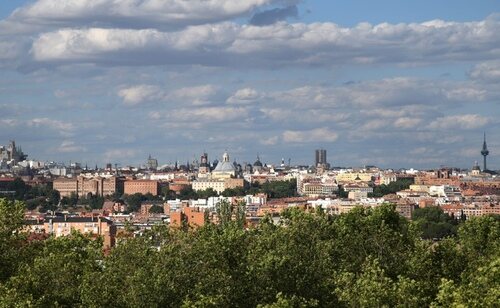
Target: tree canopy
pixel 391 188
pixel 434 223
pixel 367 257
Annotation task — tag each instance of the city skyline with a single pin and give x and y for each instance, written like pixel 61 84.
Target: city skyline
pixel 320 155
pixel 389 84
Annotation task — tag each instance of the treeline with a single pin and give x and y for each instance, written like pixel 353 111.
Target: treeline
pixel 365 258
pixel 391 188
pixel 273 189
pixel 42 196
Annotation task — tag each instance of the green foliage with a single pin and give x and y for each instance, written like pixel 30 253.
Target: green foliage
pixel 72 200
pixel 274 189
pixel 479 288
pixel 34 196
pixel 480 236
pixel 187 193
pixel 365 258
pixel 234 192
pixel 11 221
pixel 280 189
pixel 156 209
pixel 293 301
pixel 205 194
pixel 134 201
pixel 342 193
pixel 92 202
pixel 391 188
pixel 434 223
pixel 227 211
pixel 55 275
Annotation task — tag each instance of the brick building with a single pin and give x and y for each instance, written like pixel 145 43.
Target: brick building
pixel 191 216
pixel 84 186
pixel 142 187
pixel 63 226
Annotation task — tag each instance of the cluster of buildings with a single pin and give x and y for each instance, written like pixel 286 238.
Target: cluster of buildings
pixel 10 156
pixel 337 190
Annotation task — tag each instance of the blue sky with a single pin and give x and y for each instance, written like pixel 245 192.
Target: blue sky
pixel 390 83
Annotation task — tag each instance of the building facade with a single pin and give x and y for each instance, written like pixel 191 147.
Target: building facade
pixel 84 186
pixel 142 187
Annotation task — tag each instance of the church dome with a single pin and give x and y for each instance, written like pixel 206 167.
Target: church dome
pixel 224 166
pixel 257 162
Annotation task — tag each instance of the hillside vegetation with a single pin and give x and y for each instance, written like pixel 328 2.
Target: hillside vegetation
pixel 365 258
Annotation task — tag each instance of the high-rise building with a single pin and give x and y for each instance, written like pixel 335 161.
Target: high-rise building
pixel 320 158
pixel 484 152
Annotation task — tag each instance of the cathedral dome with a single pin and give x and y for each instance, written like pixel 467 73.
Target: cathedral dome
pixel 224 166
pixel 257 162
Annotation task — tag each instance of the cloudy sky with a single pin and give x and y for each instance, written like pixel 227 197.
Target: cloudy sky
pixel 391 83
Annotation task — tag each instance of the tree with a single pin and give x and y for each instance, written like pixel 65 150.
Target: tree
pixel 292 258
pixel 372 288
pixel 11 222
pixel 55 276
pixel 125 278
pixel 234 192
pixel 380 233
pixel 187 193
pixel 434 223
pixel 53 197
pixel 479 288
pixel 224 211
pixel 280 189
pixel 134 201
pixel 391 188
pixel 366 257
pixel 156 209
pixel 342 193
pixel 207 193
pixel 480 238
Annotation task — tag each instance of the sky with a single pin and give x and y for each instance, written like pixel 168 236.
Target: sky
pixel 397 84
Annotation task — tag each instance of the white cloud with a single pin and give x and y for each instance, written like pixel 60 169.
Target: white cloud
pixel 314 135
pixel 486 71
pixel 138 94
pixel 9 122
pixel 50 123
pixel 196 95
pixel 410 95
pixel 200 115
pixel 296 44
pixel 244 96
pixel 464 121
pixel 137 14
pixel 305 116
pixel 270 141
pixel 117 154
pixel 68 146
pixel 407 122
